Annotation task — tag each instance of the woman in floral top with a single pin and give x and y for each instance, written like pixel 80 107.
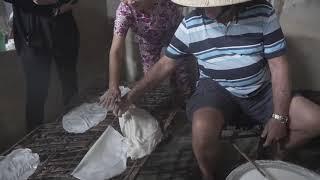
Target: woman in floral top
pixel 154 23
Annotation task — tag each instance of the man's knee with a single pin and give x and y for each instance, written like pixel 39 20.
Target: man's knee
pixel 303 108
pixel 207 124
pixel 207 116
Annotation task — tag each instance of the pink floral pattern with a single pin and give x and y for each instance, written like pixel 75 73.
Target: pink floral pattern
pixel 153 30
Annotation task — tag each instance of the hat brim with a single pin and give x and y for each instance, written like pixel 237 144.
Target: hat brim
pixel 207 3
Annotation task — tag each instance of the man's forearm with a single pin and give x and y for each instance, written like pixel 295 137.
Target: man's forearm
pixel 281 85
pixel 160 71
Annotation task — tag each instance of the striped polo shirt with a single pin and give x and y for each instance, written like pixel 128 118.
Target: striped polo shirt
pixel 234 55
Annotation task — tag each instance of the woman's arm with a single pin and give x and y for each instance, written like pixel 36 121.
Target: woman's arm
pixel 115 62
pixel 124 20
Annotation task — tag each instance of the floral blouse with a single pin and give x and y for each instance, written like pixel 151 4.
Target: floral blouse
pixel 153 30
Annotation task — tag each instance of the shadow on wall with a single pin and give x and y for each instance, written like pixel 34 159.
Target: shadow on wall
pixel 303 59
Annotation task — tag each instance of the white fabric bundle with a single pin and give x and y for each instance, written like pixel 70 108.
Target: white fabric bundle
pixel 124 90
pixel 86 116
pixel 20 164
pixel 106 158
pixel 142 132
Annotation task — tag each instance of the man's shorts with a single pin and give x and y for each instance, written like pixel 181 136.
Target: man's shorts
pixel 257 109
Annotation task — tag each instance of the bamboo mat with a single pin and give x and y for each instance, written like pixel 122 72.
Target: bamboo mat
pixel 60 152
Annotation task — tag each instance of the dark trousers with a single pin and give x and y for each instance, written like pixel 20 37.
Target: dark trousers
pixel 37 73
pixel 50 39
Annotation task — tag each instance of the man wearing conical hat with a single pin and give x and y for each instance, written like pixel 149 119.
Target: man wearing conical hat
pixel 240 49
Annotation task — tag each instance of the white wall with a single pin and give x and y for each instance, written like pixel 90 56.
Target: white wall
pixel 95 36
pixel 300 22
pixel 112 7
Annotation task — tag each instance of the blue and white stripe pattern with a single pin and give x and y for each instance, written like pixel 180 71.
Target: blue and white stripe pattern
pixel 236 55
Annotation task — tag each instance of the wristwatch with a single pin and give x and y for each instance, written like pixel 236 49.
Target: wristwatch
pixel 282 119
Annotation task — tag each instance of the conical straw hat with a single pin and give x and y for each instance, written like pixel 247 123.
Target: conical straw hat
pixel 207 3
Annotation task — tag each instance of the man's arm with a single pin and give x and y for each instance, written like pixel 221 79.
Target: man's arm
pixel 281 85
pixel 281 88
pixel 160 71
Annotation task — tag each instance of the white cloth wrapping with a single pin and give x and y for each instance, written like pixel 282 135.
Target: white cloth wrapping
pixel 86 116
pixel 124 90
pixel 142 132
pixel 20 164
pixel 106 158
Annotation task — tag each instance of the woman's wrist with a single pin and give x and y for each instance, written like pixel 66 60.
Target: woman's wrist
pixel 113 85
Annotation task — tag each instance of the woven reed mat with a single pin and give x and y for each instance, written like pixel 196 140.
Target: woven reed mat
pixel 60 152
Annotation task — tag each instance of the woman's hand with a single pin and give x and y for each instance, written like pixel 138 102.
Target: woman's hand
pixel 45 2
pixel 111 98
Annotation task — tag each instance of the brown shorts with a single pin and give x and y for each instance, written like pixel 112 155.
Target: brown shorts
pixel 256 109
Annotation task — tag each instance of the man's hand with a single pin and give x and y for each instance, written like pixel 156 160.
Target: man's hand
pixel 160 71
pixel 122 106
pixel 111 98
pixel 45 2
pixel 274 131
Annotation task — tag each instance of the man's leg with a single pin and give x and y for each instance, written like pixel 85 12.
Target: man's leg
pixel 207 124
pixel 37 72
pixel 304 121
pixel 208 108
